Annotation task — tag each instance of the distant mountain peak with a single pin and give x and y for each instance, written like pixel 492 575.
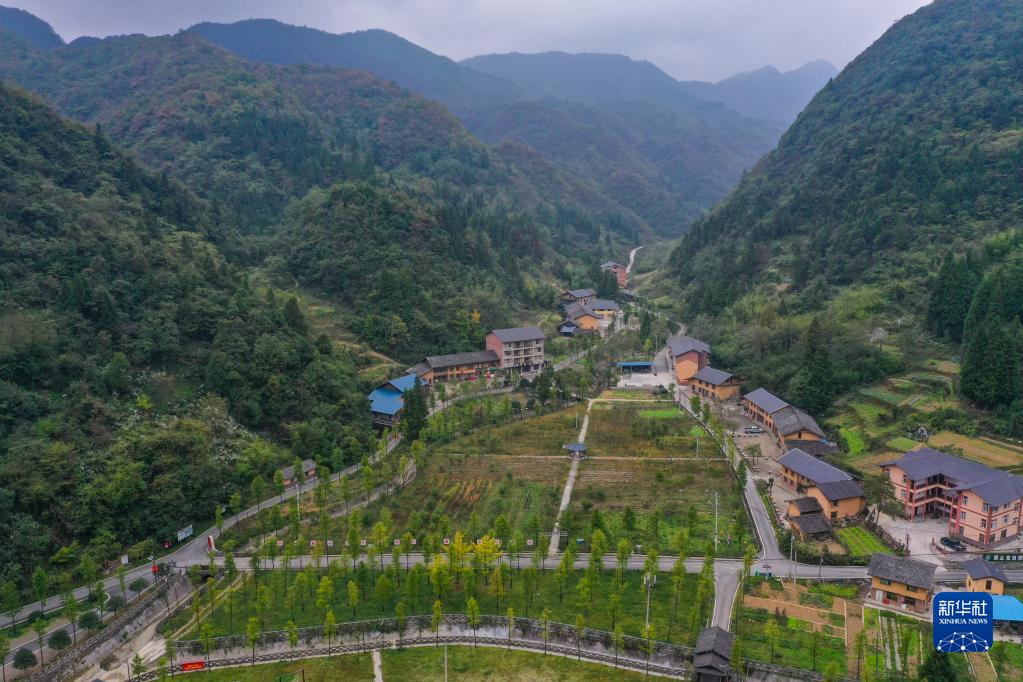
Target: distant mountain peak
pixel 29 27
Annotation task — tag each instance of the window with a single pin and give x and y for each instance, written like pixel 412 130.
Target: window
pixel 983 523
pixel 834 503
pixel 1005 519
pixel 985 508
pixel 962 516
pixel 834 515
pixel 966 500
pixel 910 588
pixel 884 581
pixel 909 601
pixel 987 585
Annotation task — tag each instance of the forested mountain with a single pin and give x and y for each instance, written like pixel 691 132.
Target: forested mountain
pixel 767 93
pixel 133 355
pixel 30 27
pixel 665 158
pixel 914 152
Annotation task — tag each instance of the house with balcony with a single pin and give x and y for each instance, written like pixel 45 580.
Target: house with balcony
pixel 800 472
pixel 519 349
pixel 688 356
pixel 982 504
pixel 900 583
pixel 715 384
pixel 456 366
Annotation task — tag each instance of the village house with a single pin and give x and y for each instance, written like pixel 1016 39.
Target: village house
pixel 803 505
pixel 443 368
pixel 900 583
pixel 621 276
pixel 518 348
pixel 308 468
pixel 801 471
pixel 386 401
pixel 817 448
pixel 581 318
pixel 579 295
pixel 604 309
pixel 806 519
pixel 982 504
pixel 983 576
pixel 715 384
pixel 783 421
pixel 688 356
pixel 839 499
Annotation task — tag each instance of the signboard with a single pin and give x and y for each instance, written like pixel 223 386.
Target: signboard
pixel 189 666
pixel 125 560
pixel 1010 557
pixel 330 543
pixel 413 541
pixel 529 543
pixel 962 622
pixel 185 532
pixel 447 541
pixel 362 543
pixel 312 543
pixel 280 543
pixel 397 542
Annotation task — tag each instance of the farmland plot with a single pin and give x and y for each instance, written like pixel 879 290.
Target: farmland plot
pixel 984 450
pixel 641 429
pixel 545 435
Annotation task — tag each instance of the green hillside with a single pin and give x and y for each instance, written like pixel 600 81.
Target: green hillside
pixel 136 363
pixel 912 153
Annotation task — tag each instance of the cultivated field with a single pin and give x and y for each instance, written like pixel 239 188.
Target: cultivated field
pixel 661 491
pixel 641 429
pixel 983 450
pixel 545 435
pixel 859 541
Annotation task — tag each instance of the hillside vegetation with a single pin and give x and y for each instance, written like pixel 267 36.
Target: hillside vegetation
pixel 913 153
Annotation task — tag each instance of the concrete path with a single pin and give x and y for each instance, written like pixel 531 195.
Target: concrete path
pixel 632 259
pixel 566 494
pixel 378 671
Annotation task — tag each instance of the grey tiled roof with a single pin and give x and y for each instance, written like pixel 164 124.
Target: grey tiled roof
pixel 812 468
pixel 712 376
pixel 581 293
pixel 792 419
pixel 994 486
pixel 765 400
pixel 811 524
pixel 905 571
pixel 840 490
pixel 289 471
pixel 816 448
pixel 806 505
pixel 518 334
pixel 679 345
pixel 611 264
pixel 456 359
pixel 603 304
pixel 713 649
pixel 978 569
pixel 573 311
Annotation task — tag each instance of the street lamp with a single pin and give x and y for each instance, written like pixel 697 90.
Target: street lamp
pixel 649 580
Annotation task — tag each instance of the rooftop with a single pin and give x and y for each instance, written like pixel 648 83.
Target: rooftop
pixel 811 524
pixel 765 400
pixel 806 505
pixel 714 377
pixel 713 649
pixel 978 569
pixel 812 468
pixel 817 448
pixel 581 293
pixel 680 345
pixel 905 571
pixel 573 311
pixel 1006 608
pixel 456 359
pixel 840 490
pixel 792 420
pixel 518 334
pixel 994 486
pixel 386 400
pixel 611 264
pixel 603 304
pixel 289 471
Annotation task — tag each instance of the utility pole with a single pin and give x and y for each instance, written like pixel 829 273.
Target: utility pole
pixel 820 567
pixel 648 581
pixel 445 662
pixel 715 522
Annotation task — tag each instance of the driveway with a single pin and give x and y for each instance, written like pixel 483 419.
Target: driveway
pixel 920 534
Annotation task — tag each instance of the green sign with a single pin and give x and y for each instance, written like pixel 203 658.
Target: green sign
pixel 297 676
pixel 1005 556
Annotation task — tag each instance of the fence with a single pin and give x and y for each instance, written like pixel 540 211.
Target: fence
pixel 594 645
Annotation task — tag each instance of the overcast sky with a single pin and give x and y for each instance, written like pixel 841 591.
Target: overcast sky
pixel 690 39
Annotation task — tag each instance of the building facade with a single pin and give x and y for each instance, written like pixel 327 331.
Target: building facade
pixel 982 504
pixel 618 270
pixel 983 576
pixel 688 356
pixel 901 583
pixel 578 295
pixel 783 421
pixel 457 366
pixel 800 472
pixel 715 384
pixel 839 499
pixel 519 348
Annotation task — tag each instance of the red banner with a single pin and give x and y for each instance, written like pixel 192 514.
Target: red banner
pixel 192 665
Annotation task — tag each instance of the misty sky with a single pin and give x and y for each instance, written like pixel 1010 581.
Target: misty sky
pixel 690 39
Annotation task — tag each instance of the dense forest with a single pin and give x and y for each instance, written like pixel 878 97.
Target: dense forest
pixel 137 365
pixel 913 153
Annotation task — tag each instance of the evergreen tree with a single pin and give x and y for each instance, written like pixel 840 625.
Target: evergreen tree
pixel 813 387
pixel 951 297
pixel 938 668
pixel 990 364
pixel 416 411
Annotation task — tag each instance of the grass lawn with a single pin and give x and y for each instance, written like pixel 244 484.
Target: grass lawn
pixel 794 646
pixel 545 435
pixel 469 493
pixel 486 663
pixel 638 429
pixel 664 491
pixel 859 541
pixel 316 670
pixel 1008 658
pixel 528 600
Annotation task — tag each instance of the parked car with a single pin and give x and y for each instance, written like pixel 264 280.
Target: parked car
pixel 753 429
pixel 953 544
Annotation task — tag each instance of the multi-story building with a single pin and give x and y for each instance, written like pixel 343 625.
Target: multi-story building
pixel 518 348
pixel 900 583
pixel 713 383
pixel 839 499
pixel 784 421
pixel 800 472
pixel 982 504
pixel 440 368
pixel 688 356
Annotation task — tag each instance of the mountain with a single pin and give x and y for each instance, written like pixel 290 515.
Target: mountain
pixel 562 117
pixel 767 93
pixel 379 52
pixel 135 357
pixel 902 176
pixel 29 27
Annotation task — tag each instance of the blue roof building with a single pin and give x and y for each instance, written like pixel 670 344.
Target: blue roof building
pixel 387 400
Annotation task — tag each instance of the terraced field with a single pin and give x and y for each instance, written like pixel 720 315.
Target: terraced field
pixel 641 429
pixel 984 450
